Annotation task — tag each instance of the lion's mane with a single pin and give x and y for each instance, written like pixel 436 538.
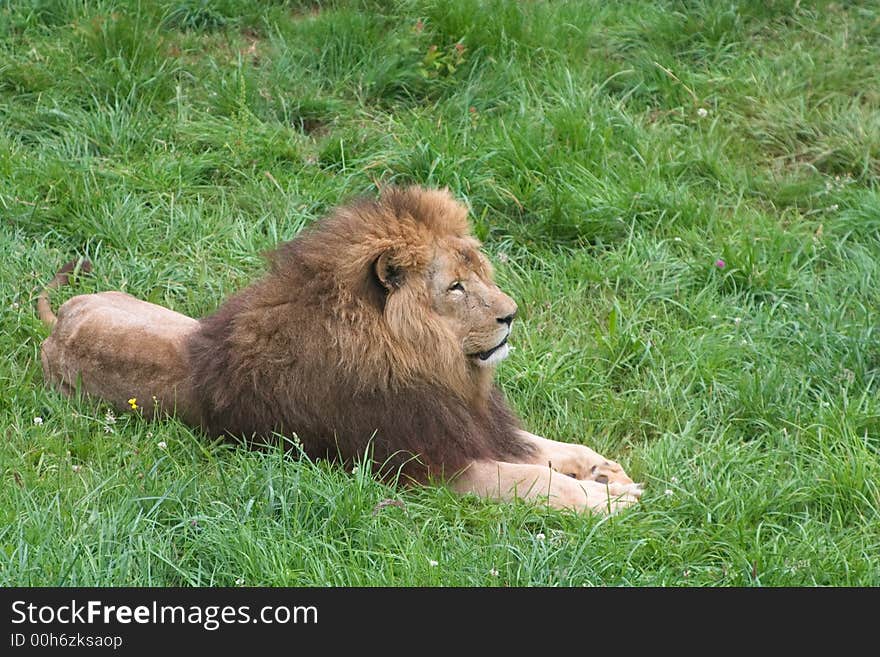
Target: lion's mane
pixel 319 348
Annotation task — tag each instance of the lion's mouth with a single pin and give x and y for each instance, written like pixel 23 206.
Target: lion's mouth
pixel 486 355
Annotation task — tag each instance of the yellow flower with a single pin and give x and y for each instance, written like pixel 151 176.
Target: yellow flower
pixel 133 403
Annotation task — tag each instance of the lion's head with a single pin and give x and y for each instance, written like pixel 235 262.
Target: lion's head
pixel 464 295
pixel 414 296
pixel 453 289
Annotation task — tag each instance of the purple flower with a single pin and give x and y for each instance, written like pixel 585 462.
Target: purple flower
pixel 720 263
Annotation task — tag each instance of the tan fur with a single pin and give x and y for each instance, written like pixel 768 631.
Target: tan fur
pixel 577 461
pixel 358 328
pixel 566 475
pixel 118 348
pixel 507 481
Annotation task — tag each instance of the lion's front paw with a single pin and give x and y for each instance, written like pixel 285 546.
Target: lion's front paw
pixel 579 462
pixel 608 472
pixel 610 498
pixel 616 504
pixel 633 490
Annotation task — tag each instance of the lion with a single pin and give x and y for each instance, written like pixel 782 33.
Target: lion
pixel 376 332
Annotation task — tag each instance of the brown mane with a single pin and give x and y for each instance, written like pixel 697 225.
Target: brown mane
pixel 320 348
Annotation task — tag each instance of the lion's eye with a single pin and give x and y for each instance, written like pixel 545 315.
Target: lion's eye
pixel 456 287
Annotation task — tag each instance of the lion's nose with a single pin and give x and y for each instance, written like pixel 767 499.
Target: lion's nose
pixel 508 319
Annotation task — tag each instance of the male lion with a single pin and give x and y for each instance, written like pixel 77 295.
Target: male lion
pixel 376 330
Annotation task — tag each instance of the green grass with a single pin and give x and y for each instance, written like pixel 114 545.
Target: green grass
pixel 610 152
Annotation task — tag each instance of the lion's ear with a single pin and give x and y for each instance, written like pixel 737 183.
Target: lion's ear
pixel 389 274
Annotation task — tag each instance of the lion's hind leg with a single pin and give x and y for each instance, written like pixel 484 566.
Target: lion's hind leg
pixel 128 352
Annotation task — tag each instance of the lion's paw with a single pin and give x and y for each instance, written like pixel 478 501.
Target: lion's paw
pixel 609 498
pixel 614 503
pixel 633 490
pixel 608 472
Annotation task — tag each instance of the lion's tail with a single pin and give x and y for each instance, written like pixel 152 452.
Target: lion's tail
pixel 44 308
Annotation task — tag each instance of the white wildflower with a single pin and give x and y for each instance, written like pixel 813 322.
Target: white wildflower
pixel 540 536
pixel 433 563
pixel 668 492
pixel 38 420
pixel 702 112
pixel 162 444
pixel 493 572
